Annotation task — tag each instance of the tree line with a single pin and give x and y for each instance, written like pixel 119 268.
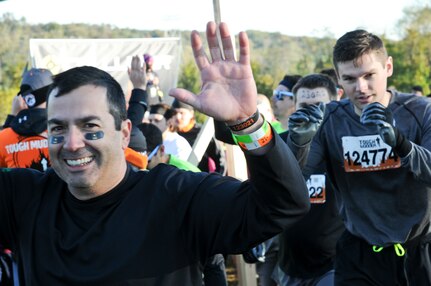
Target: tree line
pixel 272 54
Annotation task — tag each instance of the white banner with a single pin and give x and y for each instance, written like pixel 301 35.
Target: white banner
pixel 111 55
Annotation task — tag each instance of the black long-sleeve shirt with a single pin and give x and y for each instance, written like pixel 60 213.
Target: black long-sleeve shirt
pixel 154 228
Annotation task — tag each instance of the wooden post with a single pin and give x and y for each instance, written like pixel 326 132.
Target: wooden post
pixel 237 167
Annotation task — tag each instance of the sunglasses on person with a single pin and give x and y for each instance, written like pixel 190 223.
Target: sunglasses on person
pixel 280 94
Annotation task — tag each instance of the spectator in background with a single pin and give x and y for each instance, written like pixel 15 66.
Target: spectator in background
pixel 282 99
pixel 136 153
pixel 265 108
pixel 157 152
pixel 157 115
pixel 305 253
pixel 417 90
pixel 307 250
pixel 163 116
pixel 214 158
pixel 24 143
pixel 155 94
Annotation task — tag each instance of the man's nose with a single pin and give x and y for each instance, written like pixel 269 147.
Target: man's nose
pixel 74 140
pixel 361 85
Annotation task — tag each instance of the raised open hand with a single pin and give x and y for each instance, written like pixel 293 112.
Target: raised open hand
pixel 228 90
pixel 137 74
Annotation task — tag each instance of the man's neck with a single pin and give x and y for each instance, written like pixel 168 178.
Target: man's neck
pixel 98 189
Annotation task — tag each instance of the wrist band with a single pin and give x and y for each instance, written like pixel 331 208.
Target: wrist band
pixel 255 140
pixel 246 123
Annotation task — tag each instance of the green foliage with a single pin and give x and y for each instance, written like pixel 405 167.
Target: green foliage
pixel 412 54
pixel 189 77
pixel 264 81
pixel 6 97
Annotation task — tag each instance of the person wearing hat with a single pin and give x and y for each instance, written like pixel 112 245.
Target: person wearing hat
pixel 213 159
pixel 23 143
pixel 282 99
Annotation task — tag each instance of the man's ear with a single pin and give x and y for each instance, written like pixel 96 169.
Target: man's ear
pixel 389 66
pixel 126 130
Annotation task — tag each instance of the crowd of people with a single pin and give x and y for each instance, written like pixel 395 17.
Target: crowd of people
pixel 95 190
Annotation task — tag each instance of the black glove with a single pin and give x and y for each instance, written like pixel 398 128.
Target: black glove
pixel 304 122
pixel 380 116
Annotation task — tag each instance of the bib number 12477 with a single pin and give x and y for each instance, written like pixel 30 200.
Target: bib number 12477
pixel 368 153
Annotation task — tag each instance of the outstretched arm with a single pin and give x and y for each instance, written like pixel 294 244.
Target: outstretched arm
pixel 275 196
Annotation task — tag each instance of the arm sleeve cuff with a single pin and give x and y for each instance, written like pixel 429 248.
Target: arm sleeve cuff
pixel 404 146
pixel 139 96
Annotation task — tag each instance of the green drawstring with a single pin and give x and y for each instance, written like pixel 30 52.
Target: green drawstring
pixel 377 249
pixel 399 249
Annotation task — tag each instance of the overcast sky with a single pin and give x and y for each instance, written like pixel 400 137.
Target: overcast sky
pixel 294 18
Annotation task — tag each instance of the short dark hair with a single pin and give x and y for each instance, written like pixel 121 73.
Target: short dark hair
pixel 332 74
pixel 152 134
pixel 417 88
pixel 316 80
pixel 289 81
pixel 159 108
pixel 352 45
pixel 74 78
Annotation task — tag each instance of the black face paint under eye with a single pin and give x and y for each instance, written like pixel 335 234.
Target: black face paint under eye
pixel 56 139
pixel 89 136
pixel 94 135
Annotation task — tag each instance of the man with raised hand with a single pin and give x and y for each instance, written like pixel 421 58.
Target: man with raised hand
pixel 94 220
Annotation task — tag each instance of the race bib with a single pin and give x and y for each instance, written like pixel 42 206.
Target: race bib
pixel 368 153
pixel 316 189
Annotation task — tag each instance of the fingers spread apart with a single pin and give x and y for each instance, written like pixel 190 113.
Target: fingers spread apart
pixel 218 53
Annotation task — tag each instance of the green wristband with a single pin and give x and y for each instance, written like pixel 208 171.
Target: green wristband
pixel 256 139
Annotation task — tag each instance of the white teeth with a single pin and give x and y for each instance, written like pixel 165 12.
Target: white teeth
pixel 79 162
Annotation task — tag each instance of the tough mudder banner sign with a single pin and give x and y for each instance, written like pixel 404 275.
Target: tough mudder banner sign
pixel 111 55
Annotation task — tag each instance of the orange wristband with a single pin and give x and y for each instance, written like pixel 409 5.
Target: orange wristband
pixel 255 140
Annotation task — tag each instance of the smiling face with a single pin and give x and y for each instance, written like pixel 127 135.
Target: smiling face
pixel 85 149
pixel 364 81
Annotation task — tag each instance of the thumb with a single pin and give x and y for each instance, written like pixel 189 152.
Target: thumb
pixel 185 96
